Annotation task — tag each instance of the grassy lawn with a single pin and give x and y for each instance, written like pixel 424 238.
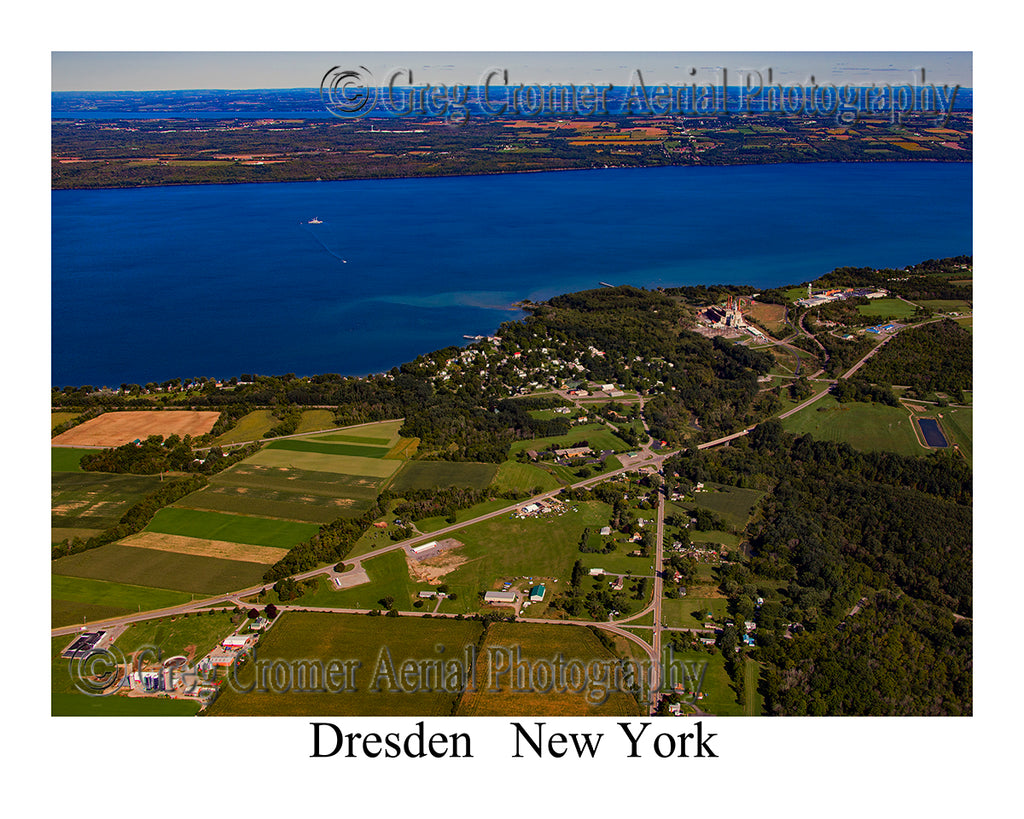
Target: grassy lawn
pixel 719 696
pixel 119 598
pixel 284 534
pixel 350 637
pixel 886 309
pixel 191 636
pixel 866 427
pixel 513 476
pixel 967 323
pixel 389 577
pixel 249 428
pixel 688 612
pixel 433 524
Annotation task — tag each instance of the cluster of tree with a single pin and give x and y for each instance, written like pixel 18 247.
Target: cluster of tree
pixel 860 389
pixel 417 504
pixel 896 656
pixel 589 545
pixel 288 588
pixel 136 518
pixel 154 455
pixel 933 357
pixel 597 603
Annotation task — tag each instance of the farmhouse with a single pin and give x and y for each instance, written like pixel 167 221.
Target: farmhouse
pixel 537 594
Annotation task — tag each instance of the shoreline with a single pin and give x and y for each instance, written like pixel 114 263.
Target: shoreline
pixel 904 161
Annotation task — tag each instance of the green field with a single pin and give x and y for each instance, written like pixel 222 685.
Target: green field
pixel 887 309
pixel 65 459
pixel 249 428
pixel 72 598
pixel 539 645
pixel 95 500
pixel 302 636
pixel 191 636
pixel 439 474
pixel 174 520
pixel 79 705
pixel 514 476
pixel 866 427
pixel 151 567
pixel 329 448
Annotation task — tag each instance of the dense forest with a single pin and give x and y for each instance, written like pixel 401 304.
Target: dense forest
pixel 838 527
pixel 930 358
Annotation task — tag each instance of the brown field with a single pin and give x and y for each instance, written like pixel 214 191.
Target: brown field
pixel 769 316
pixel 180 544
pixel 117 428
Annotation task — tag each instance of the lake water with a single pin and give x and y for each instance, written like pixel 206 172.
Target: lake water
pixel 932 432
pixel 220 280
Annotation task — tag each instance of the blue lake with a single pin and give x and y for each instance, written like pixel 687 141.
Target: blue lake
pixel 932 432
pixel 220 280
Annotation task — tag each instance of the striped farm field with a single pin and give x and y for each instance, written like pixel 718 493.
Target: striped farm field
pixel 404 449
pixel 198 523
pixel 329 448
pixel 246 552
pixel 299 481
pixel 94 500
pixel 119 563
pixel 320 462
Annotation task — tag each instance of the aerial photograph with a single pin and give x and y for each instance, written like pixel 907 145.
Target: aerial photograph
pixel 511 384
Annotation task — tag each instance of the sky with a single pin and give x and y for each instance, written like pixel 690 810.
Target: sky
pixel 173 70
